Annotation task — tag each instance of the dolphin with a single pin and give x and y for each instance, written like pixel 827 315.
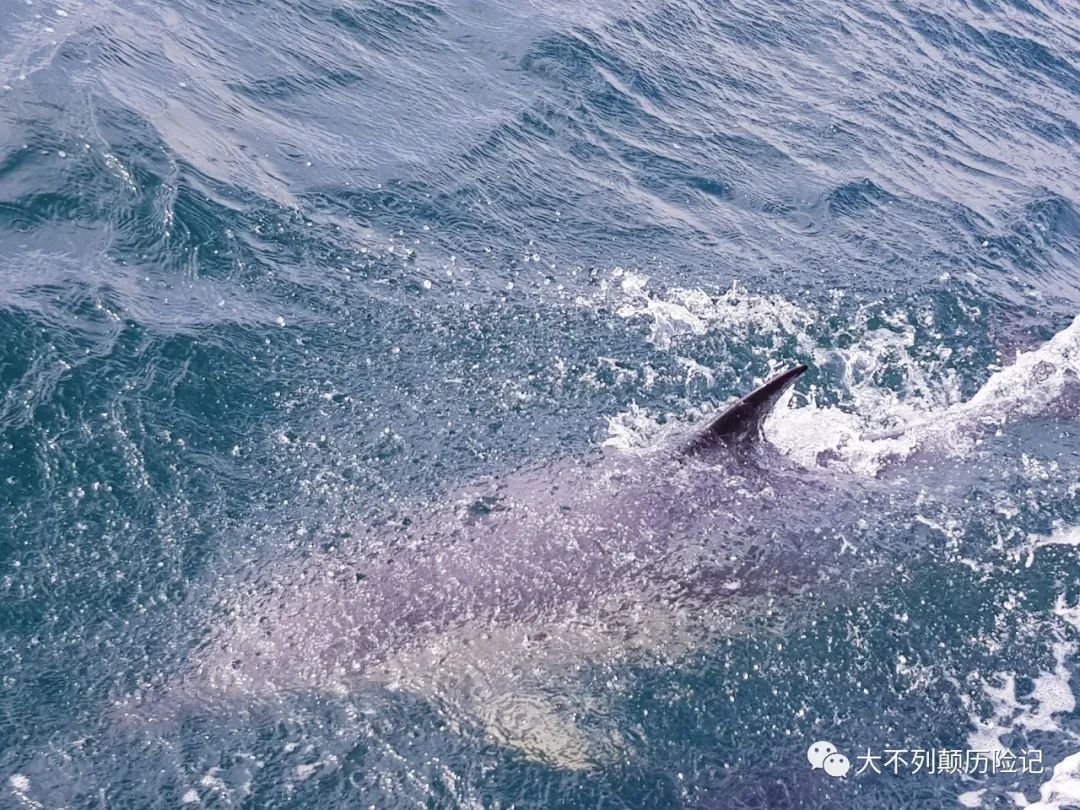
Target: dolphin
pixel 538 570
pixel 484 599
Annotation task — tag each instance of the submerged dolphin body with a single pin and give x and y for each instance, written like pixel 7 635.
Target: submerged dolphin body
pixel 482 602
pixel 514 584
pixel 537 544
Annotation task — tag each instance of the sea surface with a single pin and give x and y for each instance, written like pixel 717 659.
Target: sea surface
pixel 272 271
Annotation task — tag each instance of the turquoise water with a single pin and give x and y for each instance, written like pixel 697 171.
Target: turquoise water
pixel 272 274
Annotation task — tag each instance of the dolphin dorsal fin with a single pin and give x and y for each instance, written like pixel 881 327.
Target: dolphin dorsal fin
pixel 742 421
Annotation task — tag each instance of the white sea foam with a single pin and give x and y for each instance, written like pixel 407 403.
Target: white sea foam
pixel 1062 535
pixel 1070 614
pixel 1062 789
pixel 1051 696
pixel 20 787
pixel 634 430
pixel 737 312
pixel 876 425
pixel 1028 387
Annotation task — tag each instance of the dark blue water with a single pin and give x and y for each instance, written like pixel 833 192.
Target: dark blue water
pixel 269 271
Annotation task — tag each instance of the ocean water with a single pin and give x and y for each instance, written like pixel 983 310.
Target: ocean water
pixel 273 273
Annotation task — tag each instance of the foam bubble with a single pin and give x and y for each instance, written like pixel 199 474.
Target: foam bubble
pixel 1070 614
pixel 736 312
pixel 1062 789
pixel 20 783
pixel 1051 695
pixel 1062 535
pixel 634 431
pixel 1033 384
pixel 1036 379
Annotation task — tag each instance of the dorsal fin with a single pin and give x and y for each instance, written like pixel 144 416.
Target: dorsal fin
pixel 742 421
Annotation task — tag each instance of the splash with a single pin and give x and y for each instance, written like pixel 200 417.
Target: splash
pixel 1062 789
pixel 873 425
pixel 735 312
pixel 1034 384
